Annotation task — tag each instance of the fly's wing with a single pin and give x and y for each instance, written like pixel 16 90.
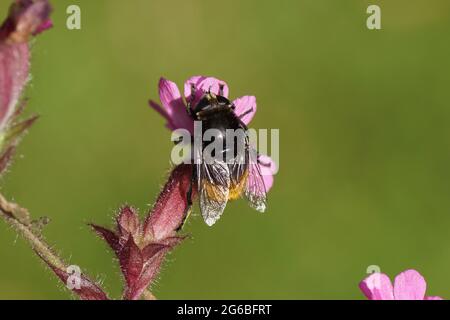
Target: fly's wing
pixel 238 166
pixel 214 188
pixel 255 190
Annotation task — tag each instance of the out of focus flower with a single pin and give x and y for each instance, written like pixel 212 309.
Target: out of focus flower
pixel 141 247
pixel 408 285
pixel 173 109
pixel 25 19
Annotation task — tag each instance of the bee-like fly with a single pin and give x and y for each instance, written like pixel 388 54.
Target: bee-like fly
pixel 229 172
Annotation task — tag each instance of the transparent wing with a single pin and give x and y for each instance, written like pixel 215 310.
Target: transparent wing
pixel 255 190
pixel 238 166
pixel 214 188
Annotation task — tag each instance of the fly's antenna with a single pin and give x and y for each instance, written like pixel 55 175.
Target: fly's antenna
pixel 221 86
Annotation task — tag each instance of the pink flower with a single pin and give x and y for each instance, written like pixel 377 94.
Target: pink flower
pixel 408 285
pixel 173 108
pixel 26 18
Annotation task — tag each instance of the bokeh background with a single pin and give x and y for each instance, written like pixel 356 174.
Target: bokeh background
pixel 365 143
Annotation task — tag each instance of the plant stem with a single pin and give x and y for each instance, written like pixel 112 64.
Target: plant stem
pixel 18 218
pixel 35 241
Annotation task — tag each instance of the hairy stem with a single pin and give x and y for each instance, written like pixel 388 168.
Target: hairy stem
pixel 18 218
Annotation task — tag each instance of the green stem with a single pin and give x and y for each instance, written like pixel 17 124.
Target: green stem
pixel 8 211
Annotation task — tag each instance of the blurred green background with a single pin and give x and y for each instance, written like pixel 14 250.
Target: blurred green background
pixel 365 150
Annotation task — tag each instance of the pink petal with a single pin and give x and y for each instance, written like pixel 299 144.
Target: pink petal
pixel 377 286
pixel 433 298
pixel 409 285
pixel 173 107
pixel 268 169
pixel 245 105
pixel 204 84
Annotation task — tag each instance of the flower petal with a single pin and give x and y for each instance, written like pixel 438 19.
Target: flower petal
pixel 173 107
pixel 204 84
pixel 169 94
pixel 409 285
pixel 377 286
pixel 433 298
pixel 245 108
